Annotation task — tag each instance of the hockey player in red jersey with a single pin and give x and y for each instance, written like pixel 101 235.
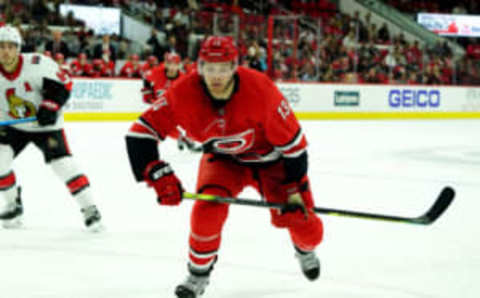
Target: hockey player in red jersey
pixel 151 62
pixel 131 68
pixel 60 59
pixel 157 80
pixel 99 69
pixel 34 85
pixel 250 137
pixel 80 66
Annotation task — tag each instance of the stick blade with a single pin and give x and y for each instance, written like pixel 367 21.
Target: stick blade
pixel 444 200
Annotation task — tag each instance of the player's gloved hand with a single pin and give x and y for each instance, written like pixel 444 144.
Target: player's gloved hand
pixel 299 196
pixel 48 112
pixel 161 177
pixel 147 95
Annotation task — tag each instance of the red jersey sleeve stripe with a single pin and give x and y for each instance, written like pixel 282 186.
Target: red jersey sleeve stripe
pixel 141 129
pixel 296 140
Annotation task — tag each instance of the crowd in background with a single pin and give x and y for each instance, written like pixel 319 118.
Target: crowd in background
pixel 346 48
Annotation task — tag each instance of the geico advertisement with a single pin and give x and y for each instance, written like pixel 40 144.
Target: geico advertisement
pixel 414 98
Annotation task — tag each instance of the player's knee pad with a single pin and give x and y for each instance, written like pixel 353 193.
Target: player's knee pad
pixel 6 159
pixel 291 219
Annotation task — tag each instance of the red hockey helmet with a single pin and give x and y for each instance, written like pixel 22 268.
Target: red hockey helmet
pixel 97 62
pixel 134 57
pixel 171 58
pixel 59 56
pixel 152 60
pixel 218 49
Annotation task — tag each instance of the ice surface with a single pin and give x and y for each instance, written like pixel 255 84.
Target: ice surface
pixel 395 167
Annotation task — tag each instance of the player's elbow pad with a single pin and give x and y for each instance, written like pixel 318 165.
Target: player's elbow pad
pixel 55 91
pixel 141 151
pixel 295 168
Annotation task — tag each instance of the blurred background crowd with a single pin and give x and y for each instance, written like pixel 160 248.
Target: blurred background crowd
pixel 299 40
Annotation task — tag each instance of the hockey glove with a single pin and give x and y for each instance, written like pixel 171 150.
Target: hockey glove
pixel 47 113
pixel 147 95
pixel 299 196
pixel 161 177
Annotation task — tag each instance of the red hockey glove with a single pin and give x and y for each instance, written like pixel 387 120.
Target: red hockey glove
pixel 48 112
pixel 168 187
pixel 299 196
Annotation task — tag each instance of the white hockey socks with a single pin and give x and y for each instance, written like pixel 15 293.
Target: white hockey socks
pixel 8 181
pixel 77 183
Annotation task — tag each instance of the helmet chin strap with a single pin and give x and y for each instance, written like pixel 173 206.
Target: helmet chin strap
pixel 229 83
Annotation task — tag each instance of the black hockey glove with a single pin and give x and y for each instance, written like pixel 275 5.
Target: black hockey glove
pixel 47 113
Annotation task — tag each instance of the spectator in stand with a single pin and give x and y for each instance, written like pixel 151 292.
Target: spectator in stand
pixel 80 66
pixel 372 76
pixel 105 50
pixel 308 73
pixel 383 35
pixel 433 76
pixel 131 68
pixel 350 40
pixel 253 59
pixel 154 43
pixel 57 45
pixel 171 45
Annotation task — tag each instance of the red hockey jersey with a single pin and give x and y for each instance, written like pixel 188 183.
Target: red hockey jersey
pixel 159 80
pixel 256 125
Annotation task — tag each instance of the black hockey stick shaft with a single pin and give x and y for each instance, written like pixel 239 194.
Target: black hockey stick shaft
pixel 439 206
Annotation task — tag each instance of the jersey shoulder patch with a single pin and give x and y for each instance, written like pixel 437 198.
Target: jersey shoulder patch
pixel 36 59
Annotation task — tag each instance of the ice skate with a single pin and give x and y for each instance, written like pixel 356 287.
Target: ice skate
pixel 193 287
pixel 309 263
pixel 12 215
pixel 92 219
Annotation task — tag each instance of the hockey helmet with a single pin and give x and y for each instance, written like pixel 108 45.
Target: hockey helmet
pixel 152 60
pixel 218 49
pixel 172 58
pixel 134 57
pixel 59 56
pixel 10 34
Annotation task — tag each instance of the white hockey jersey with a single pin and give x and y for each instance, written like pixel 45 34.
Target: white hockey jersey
pixel 21 91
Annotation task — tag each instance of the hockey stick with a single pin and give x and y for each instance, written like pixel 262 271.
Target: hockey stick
pixel 439 206
pixel 18 121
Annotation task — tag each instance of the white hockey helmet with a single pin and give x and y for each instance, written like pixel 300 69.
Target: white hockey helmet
pixel 10 34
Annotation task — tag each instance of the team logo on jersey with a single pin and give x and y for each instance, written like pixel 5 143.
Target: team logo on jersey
pixel 19 107
pixel 234 144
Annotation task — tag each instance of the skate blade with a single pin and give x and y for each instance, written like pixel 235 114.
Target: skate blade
pixel 14 223
pixel 96 227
